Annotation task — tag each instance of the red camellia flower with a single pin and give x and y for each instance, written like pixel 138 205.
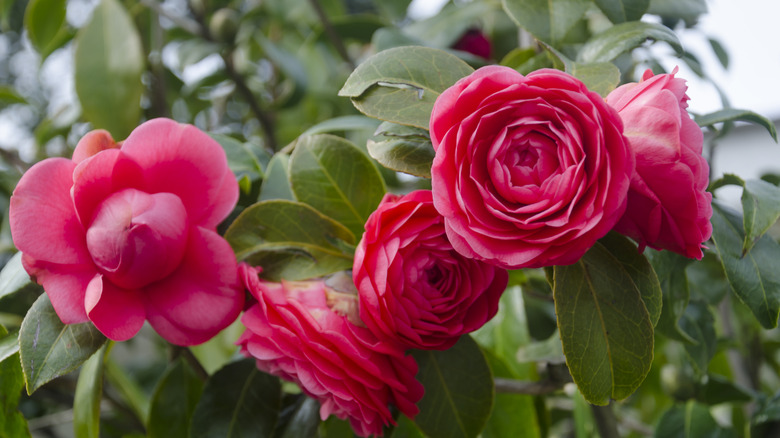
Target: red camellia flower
pixel 529 170
pixel 125 232
pixel 293 333
pixel 414 287
pixel 474 42
pixel 668 205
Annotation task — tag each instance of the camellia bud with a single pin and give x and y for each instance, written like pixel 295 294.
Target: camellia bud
pixel 474 42
pixel 224 25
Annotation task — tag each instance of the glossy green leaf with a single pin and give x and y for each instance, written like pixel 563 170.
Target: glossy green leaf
pixel 636 265
pixel 128 388
pixel 670 269
pixel 89 392
pixel 699 324
pixel 13 277
pixel 513 414
pixel 621 38
pixel 720 52
pixel 548 21
pixel 13 424
pixel 728 179
pixel 43 20
pixel 343 123
pixel 754 277
pixel 9 344
pixel 290 240
pixel 400 85
pixel 335 177
pixel 49 348
pixel 301 420
pixel 276 184
pixel 706 279
pixel 402 148
pixel 448 25
pixel 550 350
pixel 718 389
pixel 737 115
pixel 606 330
pixel 458 390
pixel 238 401
pixel 174 401
pixel 241 159
pixel 767 413
pixel 619 11
pixel 601 77
pixel 109 61
pixel 690 420
pixel 760 209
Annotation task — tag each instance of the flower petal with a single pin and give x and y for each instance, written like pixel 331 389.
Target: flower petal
pixel 65 285
pixel 117 313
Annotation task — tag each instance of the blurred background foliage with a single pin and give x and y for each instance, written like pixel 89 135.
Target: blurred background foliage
pixel 257 74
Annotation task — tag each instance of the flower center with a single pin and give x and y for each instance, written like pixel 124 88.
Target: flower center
pixel 137 238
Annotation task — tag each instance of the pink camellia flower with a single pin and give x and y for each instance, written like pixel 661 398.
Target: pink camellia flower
pixel 529 170
pixel 414 287
pixel 125 232
pixel 668 205
pixel 293 333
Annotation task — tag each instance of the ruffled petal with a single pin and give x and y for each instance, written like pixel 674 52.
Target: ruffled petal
pixel 201 297
pixel 43 222
pixel 185 161
pixel 92 143
pixel 66 286
pixel 117 313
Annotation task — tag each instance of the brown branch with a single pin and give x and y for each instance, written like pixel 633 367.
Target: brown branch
pixel 334 37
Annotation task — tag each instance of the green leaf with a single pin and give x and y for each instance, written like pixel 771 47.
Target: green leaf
pixel 133 394
pixel 550 350
pixel 343 123
pixel 458 390
pixel 718 389
pixel 14 424
pixel 761 209
pixel 301 420
pixel 766 415
pixel 402 148
pixel 9 344
pixel 690 420
pixel 335 177
pixel 513 414
pixel 699 324
pixel 448 25
pixel 670 268
pixel 109 61
pixel 276 184
pixel 734 115
pixel 601 77
pixel 89 391
pixel 174 401
pixel 606 330
pixel 13 277
pixel 238 401
pixel 619 11
pixel 621 38
pixel 639 269
pixel 754 277
pixel 43 20
pixel 400 85
pixel 728 179
pixel 9 96
pixel 707 280
pixel 241 159
pixel 290 240
pixel 688 10
pixel 720 52
pixel 548 21
pixel 49 348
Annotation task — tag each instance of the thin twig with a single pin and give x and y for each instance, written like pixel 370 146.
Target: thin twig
pixel 332 35
pixel 540 387
pixel 606 423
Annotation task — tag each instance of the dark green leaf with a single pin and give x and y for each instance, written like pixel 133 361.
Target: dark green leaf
pixel 761 209
pixel 241 159
pixel 334 427
pixel 688 10
pixel 720 52
pixel 174 401
pixel 86 402
pixel 338 179
pixel 129 389
pixel 405 429
pixel 754 277
pixel 707 279
pixel 276 184
pixel 670 268
pixel 238 401
pixel 621 38
pixel 403 148
pixel 734 115
pixel 517 57
pixel 43 20
pixel 767 413
pixel 718 389
pixel 13 277
pixel 690 420
pixel 601 77
pixel 301 420
pixel 446 27
pixel 619 11
pixel 9 344
pixel 343 123
pixel 728 179
pixel 13 424
pixel 699 324
pixel 50 348
pixel 401 84
pixel 606 331
pixel 458 390
pixel 290 240
pixel 109 61
pixel 513 414
pixel 549 21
